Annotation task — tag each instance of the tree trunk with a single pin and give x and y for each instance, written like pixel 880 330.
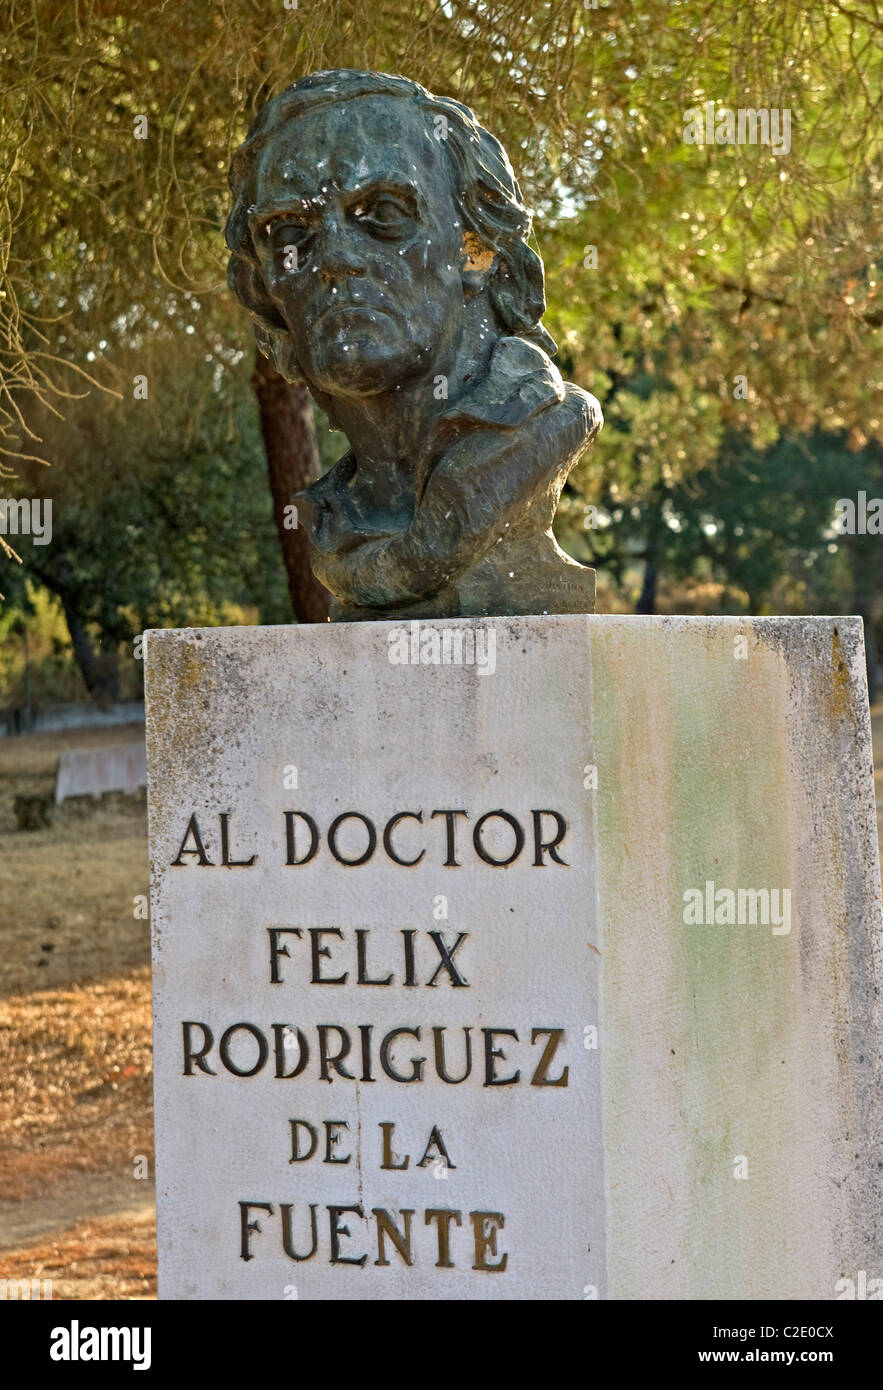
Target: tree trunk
pixel 292 462
pixel 100 670
pixel 647 601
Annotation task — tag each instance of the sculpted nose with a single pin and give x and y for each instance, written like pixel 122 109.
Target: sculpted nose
pixel 338 250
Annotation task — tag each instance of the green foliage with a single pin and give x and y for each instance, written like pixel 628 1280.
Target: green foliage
pixel 155 522
pixel 757 524
pixel 716 260
pixel 37 667
pixel 713 262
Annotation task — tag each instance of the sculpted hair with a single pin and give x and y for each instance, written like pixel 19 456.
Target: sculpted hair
pixel 485 190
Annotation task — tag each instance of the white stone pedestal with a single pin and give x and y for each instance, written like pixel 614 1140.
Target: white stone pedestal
pixel 562 963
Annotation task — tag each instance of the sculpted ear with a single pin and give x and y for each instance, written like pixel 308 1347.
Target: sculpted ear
pixel 476 263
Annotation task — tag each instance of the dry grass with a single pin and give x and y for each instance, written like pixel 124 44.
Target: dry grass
pixel 75 1082
pixel 107 1258
pixel 35 755
pixel 75 1046
pixel 67 892
pixel 67 901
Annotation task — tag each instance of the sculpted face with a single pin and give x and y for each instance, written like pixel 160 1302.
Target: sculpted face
pixel 359 242
pixel 379 286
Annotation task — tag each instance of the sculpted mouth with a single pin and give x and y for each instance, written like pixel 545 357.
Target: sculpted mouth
pixel 350 307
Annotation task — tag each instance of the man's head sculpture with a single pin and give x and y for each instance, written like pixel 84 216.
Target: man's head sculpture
pixel 379 243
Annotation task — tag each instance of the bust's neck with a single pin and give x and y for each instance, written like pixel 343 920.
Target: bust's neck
pixel 389 432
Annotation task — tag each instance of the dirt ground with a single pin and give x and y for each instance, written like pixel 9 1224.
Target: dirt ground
pixel 76 1115
pixel 76 1121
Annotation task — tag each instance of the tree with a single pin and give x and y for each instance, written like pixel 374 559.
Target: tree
pixel 758 522
pixel 694 264
pixel 158 515
pixel 289 436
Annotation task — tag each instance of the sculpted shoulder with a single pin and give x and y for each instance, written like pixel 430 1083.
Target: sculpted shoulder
pixel 585 411
pixel 522 384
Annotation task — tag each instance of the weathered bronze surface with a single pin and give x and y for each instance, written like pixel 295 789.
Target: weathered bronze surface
pixel 378 241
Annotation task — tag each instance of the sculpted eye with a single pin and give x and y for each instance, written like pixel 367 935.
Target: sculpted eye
pixel 383 214
pixel 289 240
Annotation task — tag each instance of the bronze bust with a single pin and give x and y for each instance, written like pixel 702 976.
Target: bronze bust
pixel 379 243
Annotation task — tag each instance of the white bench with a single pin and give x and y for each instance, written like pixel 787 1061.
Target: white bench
pixel 120 767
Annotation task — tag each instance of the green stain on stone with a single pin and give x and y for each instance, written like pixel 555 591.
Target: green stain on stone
pixel 704 754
